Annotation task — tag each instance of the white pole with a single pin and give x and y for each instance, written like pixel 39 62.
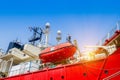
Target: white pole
pixel 47 33
pixel 117 26
pixel 108 36
pixel 46 41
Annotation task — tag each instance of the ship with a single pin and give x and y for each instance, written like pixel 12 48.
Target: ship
pixel 63 61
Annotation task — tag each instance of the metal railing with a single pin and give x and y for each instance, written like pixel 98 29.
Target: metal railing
pixel 25 69
pixel 109 34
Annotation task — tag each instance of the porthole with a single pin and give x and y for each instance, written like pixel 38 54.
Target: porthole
pixel 106 72
pixel 62 77
pixel 84 74
pixel 51 78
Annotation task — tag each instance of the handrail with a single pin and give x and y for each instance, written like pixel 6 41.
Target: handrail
pixel 25 69
pixel 109 34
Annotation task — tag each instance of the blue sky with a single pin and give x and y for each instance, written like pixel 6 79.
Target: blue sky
pixel 86 20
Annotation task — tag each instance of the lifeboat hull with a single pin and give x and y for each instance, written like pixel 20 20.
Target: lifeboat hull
pixel 57 53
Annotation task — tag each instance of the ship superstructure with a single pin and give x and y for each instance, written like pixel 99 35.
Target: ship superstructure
pixel 26 62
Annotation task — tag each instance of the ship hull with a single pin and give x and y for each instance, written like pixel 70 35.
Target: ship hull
pixel 105 69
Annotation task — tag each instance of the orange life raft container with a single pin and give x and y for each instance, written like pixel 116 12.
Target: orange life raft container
pixel 57 53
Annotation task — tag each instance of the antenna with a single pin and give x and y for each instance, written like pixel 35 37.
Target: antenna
pixel 68 38
pixel 37 34
pixel 58 38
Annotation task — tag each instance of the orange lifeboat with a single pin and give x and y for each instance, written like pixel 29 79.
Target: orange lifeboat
pixel 57 53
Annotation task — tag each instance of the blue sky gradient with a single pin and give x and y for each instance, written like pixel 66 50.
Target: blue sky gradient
pixel 86 20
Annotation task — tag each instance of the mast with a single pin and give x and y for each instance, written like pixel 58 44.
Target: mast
pixel 46 32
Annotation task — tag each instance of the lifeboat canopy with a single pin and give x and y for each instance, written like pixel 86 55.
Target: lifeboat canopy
pixel 57 53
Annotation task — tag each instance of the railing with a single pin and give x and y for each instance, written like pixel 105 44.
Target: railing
pixel 24 69
pixel 109 34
